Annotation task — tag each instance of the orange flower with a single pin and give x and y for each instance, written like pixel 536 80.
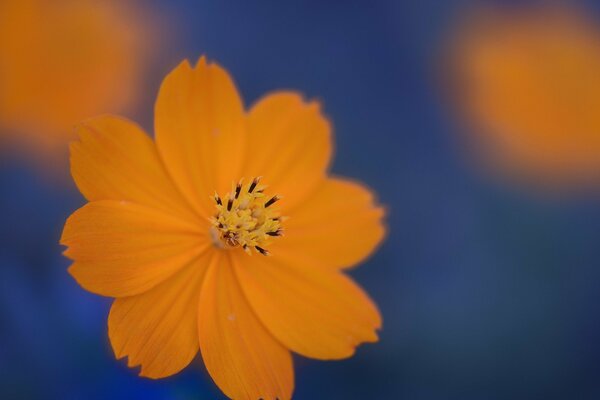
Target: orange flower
pixel 65 60
pixel 199 258
pixel 528 83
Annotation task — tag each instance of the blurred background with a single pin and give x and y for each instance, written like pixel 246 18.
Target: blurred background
pixel 476 122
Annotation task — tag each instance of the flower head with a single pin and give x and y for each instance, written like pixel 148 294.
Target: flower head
pixel 528 85
pixel 65 60
pixel 224 235
pixel 246 218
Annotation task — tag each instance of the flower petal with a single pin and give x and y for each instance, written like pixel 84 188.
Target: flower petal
pixel 290 145
pixel 314 311
pixel 122 249
pixel 339 225
pixel 242 357
pixel 116 160
pixel 158 329
pixel 200 134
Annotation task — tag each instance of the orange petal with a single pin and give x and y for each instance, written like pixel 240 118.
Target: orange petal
pixel 158 329
pixel 122 249
pixel 290 145
pixel 312 310
pixel 116 160
pixel 199 124
pixel 244 360
pixel 339 225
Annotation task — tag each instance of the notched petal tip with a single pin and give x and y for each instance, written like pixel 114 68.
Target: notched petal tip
pixel 68 233
pixel 353 345
pixel 184 64
pixel 202 61
pixel 148 373
pixel 71 271
pixel 138 368
pixel 202 64
pixel 356 343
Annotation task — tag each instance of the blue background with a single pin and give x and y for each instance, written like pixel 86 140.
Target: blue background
pixel 487 291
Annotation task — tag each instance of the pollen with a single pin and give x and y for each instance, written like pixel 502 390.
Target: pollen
pixel 246 218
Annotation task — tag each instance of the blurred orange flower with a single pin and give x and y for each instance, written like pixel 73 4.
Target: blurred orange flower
pixel 65 60
pixel 528 82
pixel 199 259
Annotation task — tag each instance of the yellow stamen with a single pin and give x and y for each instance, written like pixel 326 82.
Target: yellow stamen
pixel 246 218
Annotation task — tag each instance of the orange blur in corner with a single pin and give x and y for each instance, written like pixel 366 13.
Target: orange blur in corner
pixel 527 83
pixel 65 60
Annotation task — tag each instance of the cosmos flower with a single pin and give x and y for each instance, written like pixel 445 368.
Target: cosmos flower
pixel 224 235
pixel 65 60
pixel 527 82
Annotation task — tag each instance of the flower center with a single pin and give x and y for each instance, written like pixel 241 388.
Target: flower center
pixel 246 217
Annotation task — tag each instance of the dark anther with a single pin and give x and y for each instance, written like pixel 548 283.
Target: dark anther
pixel 218 200
pixel 229 204
pixel 273 200
pixel 253 185
pixel 245 246
pixel 238 188
pixel 275 233
pixel 221 226
pixel 261 250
